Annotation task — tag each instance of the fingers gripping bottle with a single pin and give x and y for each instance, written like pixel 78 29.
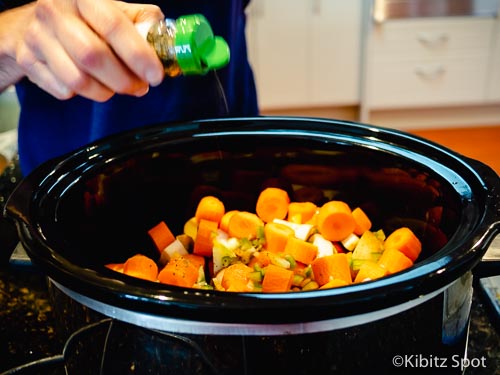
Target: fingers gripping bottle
pixel 187 46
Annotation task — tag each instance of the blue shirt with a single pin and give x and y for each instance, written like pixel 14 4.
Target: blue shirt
pixel 49 127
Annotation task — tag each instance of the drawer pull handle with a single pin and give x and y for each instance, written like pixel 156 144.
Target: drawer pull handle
pixel 432 40
pixel 430 73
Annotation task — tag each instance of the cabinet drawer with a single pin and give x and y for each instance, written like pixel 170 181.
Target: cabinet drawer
pixel 430 38
pixel 420 83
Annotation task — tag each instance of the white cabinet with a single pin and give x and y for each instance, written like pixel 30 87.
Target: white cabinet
pixel 493 93
pixel 305 52
pixel 428 62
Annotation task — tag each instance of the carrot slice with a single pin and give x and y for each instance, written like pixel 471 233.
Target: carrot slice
pixel 161 235
pixel 236 278
pixel 224 221
pixel 204 241
pixel 370 271
pixel 272 203
pixel 304 211
pixel 210 208
pixel 404 240
pixel 142 267
pixel 362 221
pixel 118 267
pixel 330 267
pixel 334 283
pixel 244 224
pixel 277 279
pixel 335 221
pixel 394 260
pixel 182 270
pixel 302 251
pixel 277 236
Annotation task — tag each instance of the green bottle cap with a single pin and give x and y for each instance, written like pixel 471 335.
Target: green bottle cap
pixel 197 49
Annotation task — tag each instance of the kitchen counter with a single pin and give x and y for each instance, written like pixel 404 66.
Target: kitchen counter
pixel 28 332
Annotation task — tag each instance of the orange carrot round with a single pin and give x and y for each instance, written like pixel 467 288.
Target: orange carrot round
pixel 335 221
pixel 224 221
pixel 210 208
pixel 404 240
pixel 362 221
pixel 244 224
pixel 142 267
pixel 272 203
pixel 304 210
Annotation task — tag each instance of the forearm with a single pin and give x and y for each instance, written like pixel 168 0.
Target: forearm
pixel 12 24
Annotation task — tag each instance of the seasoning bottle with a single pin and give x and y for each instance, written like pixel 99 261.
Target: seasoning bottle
pixel 187 45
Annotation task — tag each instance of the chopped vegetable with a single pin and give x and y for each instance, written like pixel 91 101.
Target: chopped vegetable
pixel 302 251
pixel 142 267
pixel 370 271
pixel 210 208
pixel 182 270
pixel 362 221
pixel 176 247
pixel 236 278
pixel 203 243
pixel 350 242
pixel 334 283
pixel 277 235
pixel 302 231
pixel 277 279
pixel 284 246
pixel 245 224
pixel 335 221
pixel 301 212
pixel 324 246
pixel 161 235
pixel 272 203
pixel 331 267
pixel 369 248
pixel 394 260
pixel 224 221
pixel 404 240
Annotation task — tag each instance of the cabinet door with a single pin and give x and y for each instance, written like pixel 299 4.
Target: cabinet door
pixel 305 52
pixel 493 93
pixel 278 39
pixel 336 48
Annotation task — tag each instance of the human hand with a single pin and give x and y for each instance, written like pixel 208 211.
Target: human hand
pixel 89 48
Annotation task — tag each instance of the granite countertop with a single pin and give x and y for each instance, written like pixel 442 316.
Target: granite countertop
pixel 28 333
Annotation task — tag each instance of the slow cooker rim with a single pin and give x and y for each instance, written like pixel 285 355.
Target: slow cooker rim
pixel 416 275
